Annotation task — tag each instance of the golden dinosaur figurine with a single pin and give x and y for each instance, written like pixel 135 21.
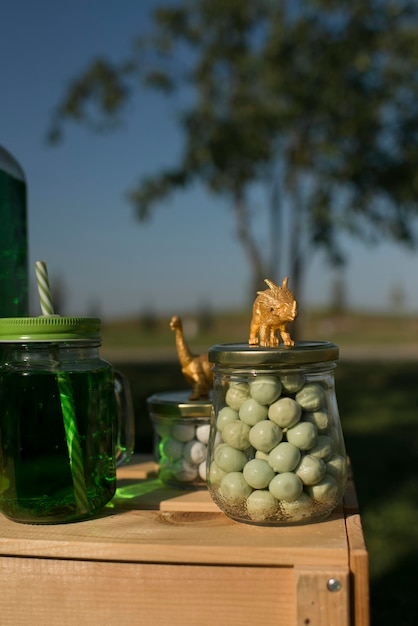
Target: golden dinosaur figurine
pixel 273 309
pixel 195 367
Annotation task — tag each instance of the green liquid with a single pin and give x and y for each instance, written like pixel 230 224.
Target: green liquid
pixel 36 481
pixel 13 247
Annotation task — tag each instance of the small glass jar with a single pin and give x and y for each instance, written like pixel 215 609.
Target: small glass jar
pixel 61 420
pixel 181 434
pixel 276 452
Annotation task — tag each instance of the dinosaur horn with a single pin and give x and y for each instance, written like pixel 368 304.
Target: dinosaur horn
pixel 271 284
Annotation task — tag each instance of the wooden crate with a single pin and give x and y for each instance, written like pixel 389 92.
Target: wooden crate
pixel 162 556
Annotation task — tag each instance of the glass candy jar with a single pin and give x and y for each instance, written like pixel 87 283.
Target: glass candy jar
pixel 276 452
pixel 181 434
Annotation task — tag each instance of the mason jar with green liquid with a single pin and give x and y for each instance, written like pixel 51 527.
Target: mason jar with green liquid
pixel 13 238
pixel 64 422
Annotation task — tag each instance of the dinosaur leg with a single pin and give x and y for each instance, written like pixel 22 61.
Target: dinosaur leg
pixel 287 340
pixel 274 340
pixel 254 328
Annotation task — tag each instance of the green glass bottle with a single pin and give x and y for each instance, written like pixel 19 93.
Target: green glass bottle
pixel 13 238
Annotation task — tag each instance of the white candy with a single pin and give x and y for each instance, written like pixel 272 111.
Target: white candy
pixel 184 472
pixel 183 432
pixel 194 452
pixel 172 449
pixel 202 470
pixel 202 433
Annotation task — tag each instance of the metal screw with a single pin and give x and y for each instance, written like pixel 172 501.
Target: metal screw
pixel 333 584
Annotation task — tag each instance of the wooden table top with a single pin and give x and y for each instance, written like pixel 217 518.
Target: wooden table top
pixel 147 522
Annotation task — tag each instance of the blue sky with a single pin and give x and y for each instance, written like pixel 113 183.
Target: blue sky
pixel 79 220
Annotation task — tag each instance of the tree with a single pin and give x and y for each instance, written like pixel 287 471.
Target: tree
pixel 314 99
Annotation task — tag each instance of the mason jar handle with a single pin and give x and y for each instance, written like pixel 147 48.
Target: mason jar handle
pixel 125 431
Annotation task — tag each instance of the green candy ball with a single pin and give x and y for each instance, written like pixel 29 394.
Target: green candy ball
pixel 261 504
pixel 304 435
pixel 285 412
pixel 298 510
pixel 265 435
pixel 258 473
pixel 236 434
pixel 311 470
pixel 225 416
pixel 284 457
pixel 286 486
pixel 234 487
pixel 337 466
pixel 291 383
pixel 236 394
pixel 215 474
pixel 311 397
pixel 252 412
pixel 323 448
pixel 229 459
pixel 318 418
pixel 326 491
pixel 265 389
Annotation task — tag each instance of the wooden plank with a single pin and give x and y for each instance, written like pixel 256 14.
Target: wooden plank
pixel 159 536
pixel 359 567
pixel 316 604
pixel 46 591
pixel 179 527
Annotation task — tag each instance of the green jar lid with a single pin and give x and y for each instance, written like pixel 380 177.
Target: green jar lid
pixel 49 328
pixel 302 353
pixel 177 404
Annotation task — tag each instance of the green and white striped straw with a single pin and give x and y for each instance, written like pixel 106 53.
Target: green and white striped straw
pixel 43 288
pixel 67 401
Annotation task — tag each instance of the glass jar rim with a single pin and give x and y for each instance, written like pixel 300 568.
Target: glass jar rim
pixel 302 353
pixel 49 328
pixel 178 404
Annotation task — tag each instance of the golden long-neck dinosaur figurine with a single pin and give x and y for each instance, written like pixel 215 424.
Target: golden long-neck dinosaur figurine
pixel 195 367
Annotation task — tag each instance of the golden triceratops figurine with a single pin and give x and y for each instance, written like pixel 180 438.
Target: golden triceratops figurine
pixel 273 309
pixel 196 368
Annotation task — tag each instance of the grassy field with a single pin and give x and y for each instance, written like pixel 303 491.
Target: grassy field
pixel 378 401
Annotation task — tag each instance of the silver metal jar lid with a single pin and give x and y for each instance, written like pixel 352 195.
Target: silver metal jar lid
pixel 177 404
pixel 302 353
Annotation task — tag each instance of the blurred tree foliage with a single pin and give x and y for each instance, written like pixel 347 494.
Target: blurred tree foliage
pixel 314 99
